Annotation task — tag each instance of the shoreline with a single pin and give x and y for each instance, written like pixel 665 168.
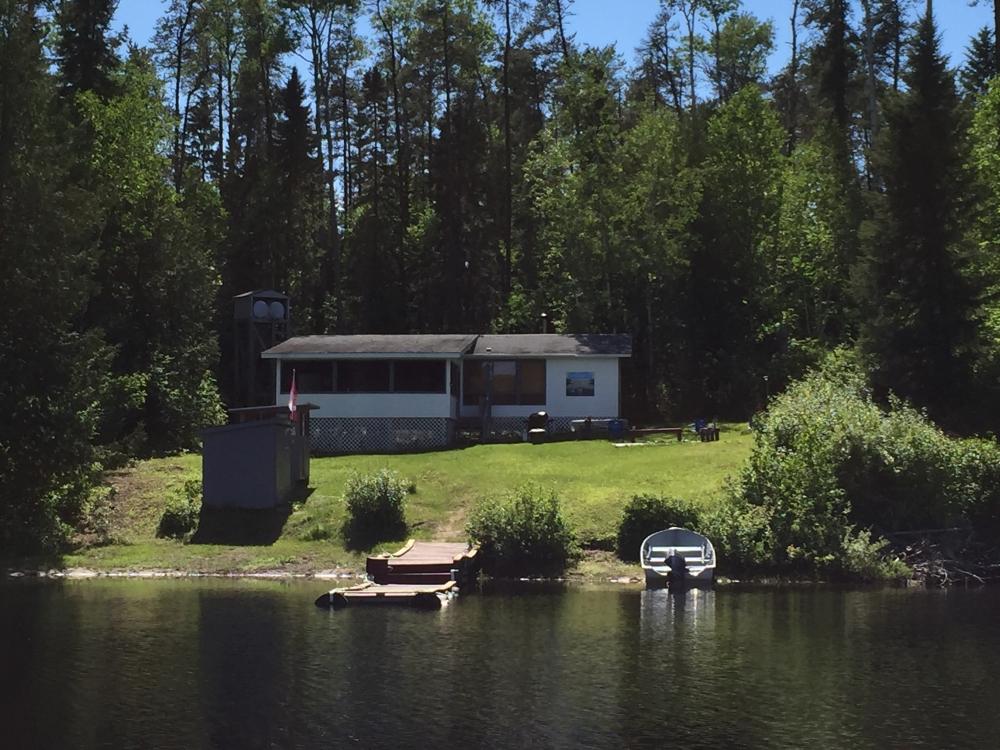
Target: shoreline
pixel 77 573
pixel 347 575
pixel 81 574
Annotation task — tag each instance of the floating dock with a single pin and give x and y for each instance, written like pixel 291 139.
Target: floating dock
pixel 424 574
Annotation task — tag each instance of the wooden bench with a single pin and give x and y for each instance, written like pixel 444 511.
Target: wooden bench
pixel 678 431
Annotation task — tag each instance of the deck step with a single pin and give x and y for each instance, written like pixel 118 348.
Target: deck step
pixel 401 567
pixel 419 579
pixel 424 562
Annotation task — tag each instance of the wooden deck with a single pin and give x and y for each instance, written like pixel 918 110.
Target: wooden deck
pixel 421 573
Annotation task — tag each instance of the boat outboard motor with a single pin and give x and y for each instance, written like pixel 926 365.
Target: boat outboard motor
pixel 678 568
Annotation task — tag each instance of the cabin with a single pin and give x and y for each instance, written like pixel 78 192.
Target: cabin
pixel 389 393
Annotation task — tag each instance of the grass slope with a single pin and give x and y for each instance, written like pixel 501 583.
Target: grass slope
pixel 593 479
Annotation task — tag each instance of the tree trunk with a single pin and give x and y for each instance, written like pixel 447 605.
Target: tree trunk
pixel 716 32
pixel 690 12
pixel 178 75
pixel 870 91
pixel 793 84
pixel 345 135
pixel 996 32
pixel 402 158
pixel 560 28
pixel 508 178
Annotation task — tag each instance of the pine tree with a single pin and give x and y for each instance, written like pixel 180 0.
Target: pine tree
pixel 374 285
pixel 980 64
pixel 299 201
pixel 890 38
pixel 659 73
pixel 919 303
pixel 86 48
pixel 833 67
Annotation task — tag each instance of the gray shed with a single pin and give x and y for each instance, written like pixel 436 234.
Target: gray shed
pixel 257 462
pixel 247 465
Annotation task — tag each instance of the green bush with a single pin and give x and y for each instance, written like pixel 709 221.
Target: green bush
pixel 180 517
pixel 376 508
pixel 96 516
pixel 832 471
pixel 523 533
pixel 646 514
pixel 741 534
pixel 866 559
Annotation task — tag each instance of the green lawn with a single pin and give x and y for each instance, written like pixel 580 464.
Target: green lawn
pixel 593 479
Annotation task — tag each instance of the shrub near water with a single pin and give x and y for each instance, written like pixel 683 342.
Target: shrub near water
pixel 376 508
pixel 831 472
pixel 741 534
pixel 523 533
pixel 646 514
pixel 180 517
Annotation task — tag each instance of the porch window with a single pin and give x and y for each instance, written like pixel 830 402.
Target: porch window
pixel 505 382
pixel 531 382
pixel 515 382
pixel 362 376
pixel 365 376
pixel 311 375
pixel 418 376
pixel 473 383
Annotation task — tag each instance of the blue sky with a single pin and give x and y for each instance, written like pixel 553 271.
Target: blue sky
pixel 624 22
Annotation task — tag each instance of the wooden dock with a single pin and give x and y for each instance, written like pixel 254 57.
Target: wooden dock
pixel 423 574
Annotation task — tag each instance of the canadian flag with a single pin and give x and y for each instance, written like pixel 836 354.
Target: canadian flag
pixel 293 399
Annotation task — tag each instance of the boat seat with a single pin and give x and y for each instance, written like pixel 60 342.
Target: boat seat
pixel 659 555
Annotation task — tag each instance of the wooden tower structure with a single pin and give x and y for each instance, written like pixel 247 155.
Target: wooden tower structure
pixel 262 320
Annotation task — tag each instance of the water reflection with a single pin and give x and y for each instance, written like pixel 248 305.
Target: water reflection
pixel 254 664
pixel 666 612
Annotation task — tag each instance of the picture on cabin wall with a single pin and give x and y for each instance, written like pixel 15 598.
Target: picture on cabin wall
pixel 579 383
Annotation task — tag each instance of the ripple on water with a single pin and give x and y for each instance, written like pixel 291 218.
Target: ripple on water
pixel 253 664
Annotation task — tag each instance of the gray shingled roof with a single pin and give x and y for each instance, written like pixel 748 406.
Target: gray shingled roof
pixel 505 345
pixel 554 345
pixel 373 345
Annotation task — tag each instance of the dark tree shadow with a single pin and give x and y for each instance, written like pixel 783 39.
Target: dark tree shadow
pixel 241 527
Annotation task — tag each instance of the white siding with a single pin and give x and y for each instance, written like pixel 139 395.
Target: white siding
pixel 377 404
pixel 604 402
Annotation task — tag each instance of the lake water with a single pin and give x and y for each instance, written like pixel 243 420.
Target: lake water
pixel 253 664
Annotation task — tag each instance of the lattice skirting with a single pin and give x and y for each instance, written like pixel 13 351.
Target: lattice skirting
pixel 332 435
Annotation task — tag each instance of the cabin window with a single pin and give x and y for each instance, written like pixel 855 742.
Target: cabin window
pixel 520 382
pixel 362 376
pixel 419 376
pixel 505 382
pixel 531 382
pixel 311 375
